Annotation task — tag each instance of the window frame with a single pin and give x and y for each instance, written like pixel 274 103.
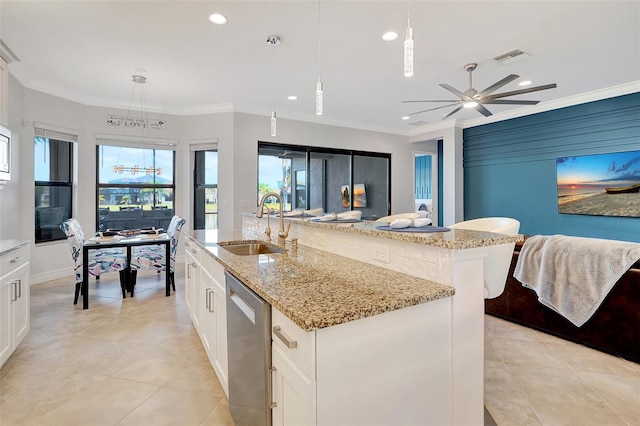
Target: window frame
pixel 197 153
pixel 154 186
pixel 69 183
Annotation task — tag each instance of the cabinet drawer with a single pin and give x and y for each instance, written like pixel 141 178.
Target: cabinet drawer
pixel 303 355
pixel 193 248
pixel 14 259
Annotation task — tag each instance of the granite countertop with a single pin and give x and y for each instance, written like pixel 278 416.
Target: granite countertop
pixel 317 289
pixel 7 246
pixel 455 239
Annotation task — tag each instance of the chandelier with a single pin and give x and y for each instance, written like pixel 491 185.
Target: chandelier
pixel 120 169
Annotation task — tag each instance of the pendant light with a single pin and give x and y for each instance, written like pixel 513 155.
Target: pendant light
pixel 319 87
pixel 408 47
pixel 273 41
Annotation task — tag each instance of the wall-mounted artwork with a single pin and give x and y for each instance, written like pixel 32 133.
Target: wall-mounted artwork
pixel 344 193
pixel 599 185
pixel 359 195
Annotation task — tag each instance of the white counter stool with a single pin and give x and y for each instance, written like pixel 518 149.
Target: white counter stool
pixel 497 262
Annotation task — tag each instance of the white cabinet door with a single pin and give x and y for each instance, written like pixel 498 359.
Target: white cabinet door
pixel 294 394
pixel 221 361
pixel 4 95
pixel 6 339
pixel 208 316
pixel 192 284
pixel 21 304
pixel 14 310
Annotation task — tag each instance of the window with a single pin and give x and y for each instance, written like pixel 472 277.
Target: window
pixel 53 174
pixel 205 191
pixel 335 180
pixel 135 187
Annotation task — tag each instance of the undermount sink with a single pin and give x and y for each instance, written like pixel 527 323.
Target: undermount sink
pixel 249 247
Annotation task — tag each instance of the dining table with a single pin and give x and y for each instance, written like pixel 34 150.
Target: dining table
pixel 118 241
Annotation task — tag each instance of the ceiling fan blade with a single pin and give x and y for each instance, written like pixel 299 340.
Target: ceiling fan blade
pixel 521 91
pixel 482 110
pixel 455 91
pixel 509 102
pixel 432 109
pixel 450 100
pixel 508 79
pixel 452 112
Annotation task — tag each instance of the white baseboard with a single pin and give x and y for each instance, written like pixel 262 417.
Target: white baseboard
pixel 50 275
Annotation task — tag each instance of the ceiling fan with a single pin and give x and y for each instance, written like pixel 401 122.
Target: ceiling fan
pixel 471 98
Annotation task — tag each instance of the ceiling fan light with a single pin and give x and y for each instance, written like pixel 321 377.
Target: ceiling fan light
pixel 470 104
pixel 524 83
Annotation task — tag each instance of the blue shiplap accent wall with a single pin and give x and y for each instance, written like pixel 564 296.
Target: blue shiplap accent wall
pixel 510 169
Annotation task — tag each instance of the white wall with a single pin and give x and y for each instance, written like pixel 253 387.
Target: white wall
pixel 249 129
pixel 237 135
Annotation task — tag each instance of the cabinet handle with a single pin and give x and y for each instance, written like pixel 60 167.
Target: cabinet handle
pixel 188 270
pixel 19 288
pixel 291 344
pixel 212 307
pixel 206 302
pixel 15 291
pixel 273 404
pixel 194 251
pixel 15 259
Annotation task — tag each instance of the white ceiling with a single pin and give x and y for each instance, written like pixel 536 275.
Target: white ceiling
pixel 87 51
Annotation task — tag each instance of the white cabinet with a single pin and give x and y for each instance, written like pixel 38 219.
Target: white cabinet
pixel 14 301
pixel 205 298
pixel 392 368
pixel 4 85
pixel 293 373
pixel 294 394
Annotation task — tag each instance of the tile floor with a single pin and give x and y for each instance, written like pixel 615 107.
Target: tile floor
pixel 139 362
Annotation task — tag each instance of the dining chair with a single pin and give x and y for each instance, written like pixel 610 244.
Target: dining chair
pixel 153 256
pixel 101 261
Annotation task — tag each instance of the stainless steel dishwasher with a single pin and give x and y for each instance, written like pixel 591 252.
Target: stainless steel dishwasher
pixel 249 348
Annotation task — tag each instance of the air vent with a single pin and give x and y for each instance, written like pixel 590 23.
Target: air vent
pixel 511 56
pixel 418 123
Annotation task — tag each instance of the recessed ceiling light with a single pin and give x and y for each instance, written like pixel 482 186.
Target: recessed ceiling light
pixel 390 36
pixel 524 83
pixel 218 18
pixel 406 117
pixel 292 98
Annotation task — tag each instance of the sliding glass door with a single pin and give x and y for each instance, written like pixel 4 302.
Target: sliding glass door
pixel 332 179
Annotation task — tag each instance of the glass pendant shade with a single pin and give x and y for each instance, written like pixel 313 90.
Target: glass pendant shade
pixel 273 123
pixel 408 52
pixel 319 99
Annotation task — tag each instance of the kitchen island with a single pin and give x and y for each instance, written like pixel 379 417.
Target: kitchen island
pixel 374 345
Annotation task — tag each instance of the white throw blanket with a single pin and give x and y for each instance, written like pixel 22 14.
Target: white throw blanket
pixel 573 275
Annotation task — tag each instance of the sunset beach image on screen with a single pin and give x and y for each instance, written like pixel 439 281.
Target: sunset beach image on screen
pixel 600 184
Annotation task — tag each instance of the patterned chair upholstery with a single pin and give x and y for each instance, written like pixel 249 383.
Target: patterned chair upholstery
pixel 153 257
pixel 101 261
